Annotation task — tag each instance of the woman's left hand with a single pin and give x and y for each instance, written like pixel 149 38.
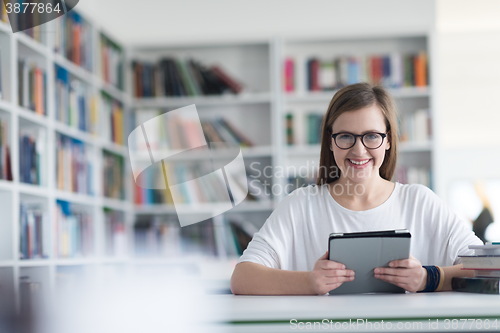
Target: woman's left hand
pixel 405 273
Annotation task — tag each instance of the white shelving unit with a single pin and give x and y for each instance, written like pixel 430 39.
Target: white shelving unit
pixel 302 101
pixel 46 271
pixel 260 110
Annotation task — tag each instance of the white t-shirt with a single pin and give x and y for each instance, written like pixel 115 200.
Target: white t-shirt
pixel 296 234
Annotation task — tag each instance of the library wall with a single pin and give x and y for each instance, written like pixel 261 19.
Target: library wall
pixel 254 20
pixel 466 72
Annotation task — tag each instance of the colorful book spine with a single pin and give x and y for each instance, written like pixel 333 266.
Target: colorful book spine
pixel 115 232
pixel 113 175
pixel 32 87
pixel 289 75
pixel 33 232
pixel 111 62
pixel 73 169
pixel 113 122
pixel 390 70
pixel 416 126
pixel 29 159
pixel 414 175
pixel 73 101
pixel 74 231
pixel 73 39
pixel 3 14
pixel 5 155
pixel 181 77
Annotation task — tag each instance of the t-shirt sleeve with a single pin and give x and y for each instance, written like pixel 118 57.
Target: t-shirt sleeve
pixel 270 245
pixel 454 233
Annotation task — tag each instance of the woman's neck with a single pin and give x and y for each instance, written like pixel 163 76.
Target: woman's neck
pixel 361 196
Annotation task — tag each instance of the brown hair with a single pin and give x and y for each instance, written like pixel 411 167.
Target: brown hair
pixel 352 98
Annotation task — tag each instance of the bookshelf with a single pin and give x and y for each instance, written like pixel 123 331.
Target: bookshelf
pixel 65 220
pixel 61 118
pixel 313 69
pixel 287 86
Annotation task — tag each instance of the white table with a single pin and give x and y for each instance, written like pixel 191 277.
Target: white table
pixel 422 312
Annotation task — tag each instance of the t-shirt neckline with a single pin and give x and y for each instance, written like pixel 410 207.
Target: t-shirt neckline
pixel 374 209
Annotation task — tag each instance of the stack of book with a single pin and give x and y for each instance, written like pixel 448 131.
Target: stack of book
pixel 175 77
pixel 485 263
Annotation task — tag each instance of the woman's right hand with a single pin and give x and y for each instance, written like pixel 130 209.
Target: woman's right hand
pixel 328 275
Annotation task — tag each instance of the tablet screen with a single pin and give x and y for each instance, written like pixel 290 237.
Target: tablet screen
pixel 363 252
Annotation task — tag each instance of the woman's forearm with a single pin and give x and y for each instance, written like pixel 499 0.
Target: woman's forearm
pixel 451 272
pixel 254 279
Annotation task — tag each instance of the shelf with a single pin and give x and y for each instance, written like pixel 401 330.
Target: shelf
pixel 326 96
pixel 74 133
pixel 408 147
pixel 166 102
pixel 76 198
pixel 111 90
pixel 115 204
pixel 33 262
pixel 178 155
pixel 7 263
pixel 5 105
pixel 113 147
pixel 5 27
pixel 29 189
pixel 303 150
pixel 246 206
pixel 6 185
pixel 32 44
pixel 80 72
pixel 32 116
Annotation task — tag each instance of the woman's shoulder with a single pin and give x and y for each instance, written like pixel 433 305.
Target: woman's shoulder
pixel 415 192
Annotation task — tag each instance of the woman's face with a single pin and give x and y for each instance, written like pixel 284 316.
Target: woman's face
pixel 358 163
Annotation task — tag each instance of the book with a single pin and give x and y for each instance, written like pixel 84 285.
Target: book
pixel 290 139
pixel 487 249
pixel 483 285
pixel 487 272
pixel 74 231
pixel 289 75
pixel 243 232
pixel 235 86
pixel 481 261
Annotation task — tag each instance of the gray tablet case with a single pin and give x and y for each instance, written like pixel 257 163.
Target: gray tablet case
pixel 363 252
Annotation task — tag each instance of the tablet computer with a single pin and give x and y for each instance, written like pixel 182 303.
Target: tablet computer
pixel 362 252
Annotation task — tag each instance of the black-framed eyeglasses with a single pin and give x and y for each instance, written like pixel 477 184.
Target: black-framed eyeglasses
pixel 346 140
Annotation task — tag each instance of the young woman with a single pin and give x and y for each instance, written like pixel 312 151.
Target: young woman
pixel 354 193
